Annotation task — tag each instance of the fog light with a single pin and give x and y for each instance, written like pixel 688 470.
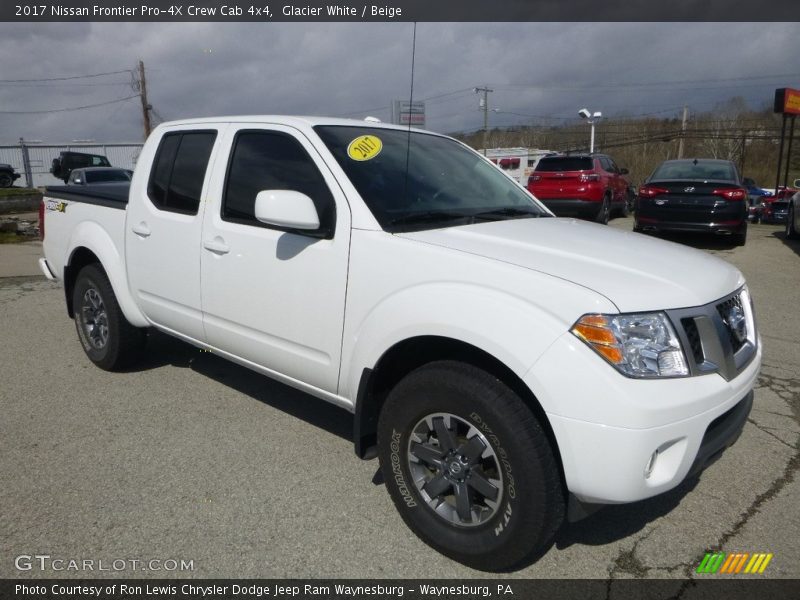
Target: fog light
pixel 648 469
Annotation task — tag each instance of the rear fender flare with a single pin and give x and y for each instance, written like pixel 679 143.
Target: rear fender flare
pixel 94 238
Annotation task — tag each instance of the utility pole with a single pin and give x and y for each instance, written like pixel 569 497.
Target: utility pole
pixel 26 162
pixel 485 106
pixel 683 130
pixel 143 95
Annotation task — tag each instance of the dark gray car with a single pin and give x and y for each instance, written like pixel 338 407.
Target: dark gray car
pixel 698 195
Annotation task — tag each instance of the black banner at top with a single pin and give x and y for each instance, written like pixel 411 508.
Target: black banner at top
pixel 399 10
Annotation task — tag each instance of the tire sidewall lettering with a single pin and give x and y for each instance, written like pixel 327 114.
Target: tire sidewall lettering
pixel 506 513
pixel 397 470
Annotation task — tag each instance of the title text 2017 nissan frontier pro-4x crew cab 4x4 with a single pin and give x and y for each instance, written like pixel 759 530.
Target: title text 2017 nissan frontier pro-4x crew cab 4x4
pixel 509 368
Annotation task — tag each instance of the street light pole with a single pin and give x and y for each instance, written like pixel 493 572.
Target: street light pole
pixel 591 119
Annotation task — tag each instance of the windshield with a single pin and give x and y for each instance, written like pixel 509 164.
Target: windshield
pixel 445 184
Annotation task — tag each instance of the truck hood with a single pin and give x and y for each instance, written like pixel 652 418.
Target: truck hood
pixel 634 271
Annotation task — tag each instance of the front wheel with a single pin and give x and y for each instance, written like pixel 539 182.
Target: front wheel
pixel 6 180
pixel 107 337
pixel 469 466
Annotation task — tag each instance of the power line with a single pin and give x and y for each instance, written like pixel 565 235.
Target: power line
pixel 647 84
pixel 57 110
pixel 65 78
pixel 48 85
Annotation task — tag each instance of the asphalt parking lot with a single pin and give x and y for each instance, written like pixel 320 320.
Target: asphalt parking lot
pixel 193 458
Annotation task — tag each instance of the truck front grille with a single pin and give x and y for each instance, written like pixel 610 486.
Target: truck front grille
pixel 695 344
pixel 730 311
pixel 716 336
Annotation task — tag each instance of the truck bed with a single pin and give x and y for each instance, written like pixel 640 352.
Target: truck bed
pixel 96 213
pixel 112 195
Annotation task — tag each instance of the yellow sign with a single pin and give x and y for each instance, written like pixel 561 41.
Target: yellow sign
pixel 792 102
pixel 364 147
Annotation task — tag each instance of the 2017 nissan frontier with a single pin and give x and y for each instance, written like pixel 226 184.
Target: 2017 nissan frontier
pixel 509 368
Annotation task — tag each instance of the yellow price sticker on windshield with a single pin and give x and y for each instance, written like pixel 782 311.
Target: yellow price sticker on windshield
pixel 364 147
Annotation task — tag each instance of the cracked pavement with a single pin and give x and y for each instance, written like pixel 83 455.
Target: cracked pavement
pixel 193 457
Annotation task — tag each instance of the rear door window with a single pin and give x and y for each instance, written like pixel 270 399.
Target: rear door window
pixel 176 181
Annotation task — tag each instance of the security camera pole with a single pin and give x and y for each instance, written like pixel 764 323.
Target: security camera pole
pixel 591 118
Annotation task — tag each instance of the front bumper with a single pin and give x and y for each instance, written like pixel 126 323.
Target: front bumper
pixel 622 439
pixel 645 223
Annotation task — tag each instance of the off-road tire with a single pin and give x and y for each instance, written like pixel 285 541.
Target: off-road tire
pixel 106 336
pixel 530 503
pixel 6 180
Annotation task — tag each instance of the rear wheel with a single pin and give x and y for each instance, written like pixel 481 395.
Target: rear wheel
pixel 469 467
pixel 604 213
pixel 107 337
pixel 791 231
pixel 5 179
pixel 739 239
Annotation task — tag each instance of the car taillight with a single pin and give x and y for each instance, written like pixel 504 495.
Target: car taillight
pixel 647 191
pixel 731 194
pixel 587 177
pixel 41 220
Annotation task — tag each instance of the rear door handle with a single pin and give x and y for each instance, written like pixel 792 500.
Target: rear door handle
pixel 142 230
pixel 217 246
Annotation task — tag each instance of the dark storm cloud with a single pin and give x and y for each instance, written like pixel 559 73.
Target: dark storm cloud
pixel 541 69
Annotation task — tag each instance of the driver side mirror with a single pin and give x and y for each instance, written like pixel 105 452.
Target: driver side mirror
pixel 286 208
pixel 623 171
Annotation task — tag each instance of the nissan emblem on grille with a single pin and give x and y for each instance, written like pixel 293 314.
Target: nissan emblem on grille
pixel 735 320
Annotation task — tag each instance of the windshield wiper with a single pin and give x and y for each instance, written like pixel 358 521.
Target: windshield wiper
pixel 429 216
pixel 509 212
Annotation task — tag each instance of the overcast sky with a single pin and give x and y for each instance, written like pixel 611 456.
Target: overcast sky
pixel 352 69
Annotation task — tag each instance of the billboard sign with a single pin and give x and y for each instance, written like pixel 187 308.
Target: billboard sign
pixel 787 101
pixel 408 113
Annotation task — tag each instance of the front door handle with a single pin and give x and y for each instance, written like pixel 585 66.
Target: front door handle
pixel 142 230
pixel 217 246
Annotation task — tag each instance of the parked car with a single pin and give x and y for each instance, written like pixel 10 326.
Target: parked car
pixel 99 176
pixel 68 160
pixel 7 175
pixel 793 218
pixel 755 195
pixel 775 208
pixel 588 186
pixel 507 368
pixel 700 195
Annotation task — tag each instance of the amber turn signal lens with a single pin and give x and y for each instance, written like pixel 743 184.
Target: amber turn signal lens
pixel 595 335
pixel 595 330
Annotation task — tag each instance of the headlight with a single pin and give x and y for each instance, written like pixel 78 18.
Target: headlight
pixel 638 345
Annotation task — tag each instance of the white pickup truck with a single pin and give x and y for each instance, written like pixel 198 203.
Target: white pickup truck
pixel 509 368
